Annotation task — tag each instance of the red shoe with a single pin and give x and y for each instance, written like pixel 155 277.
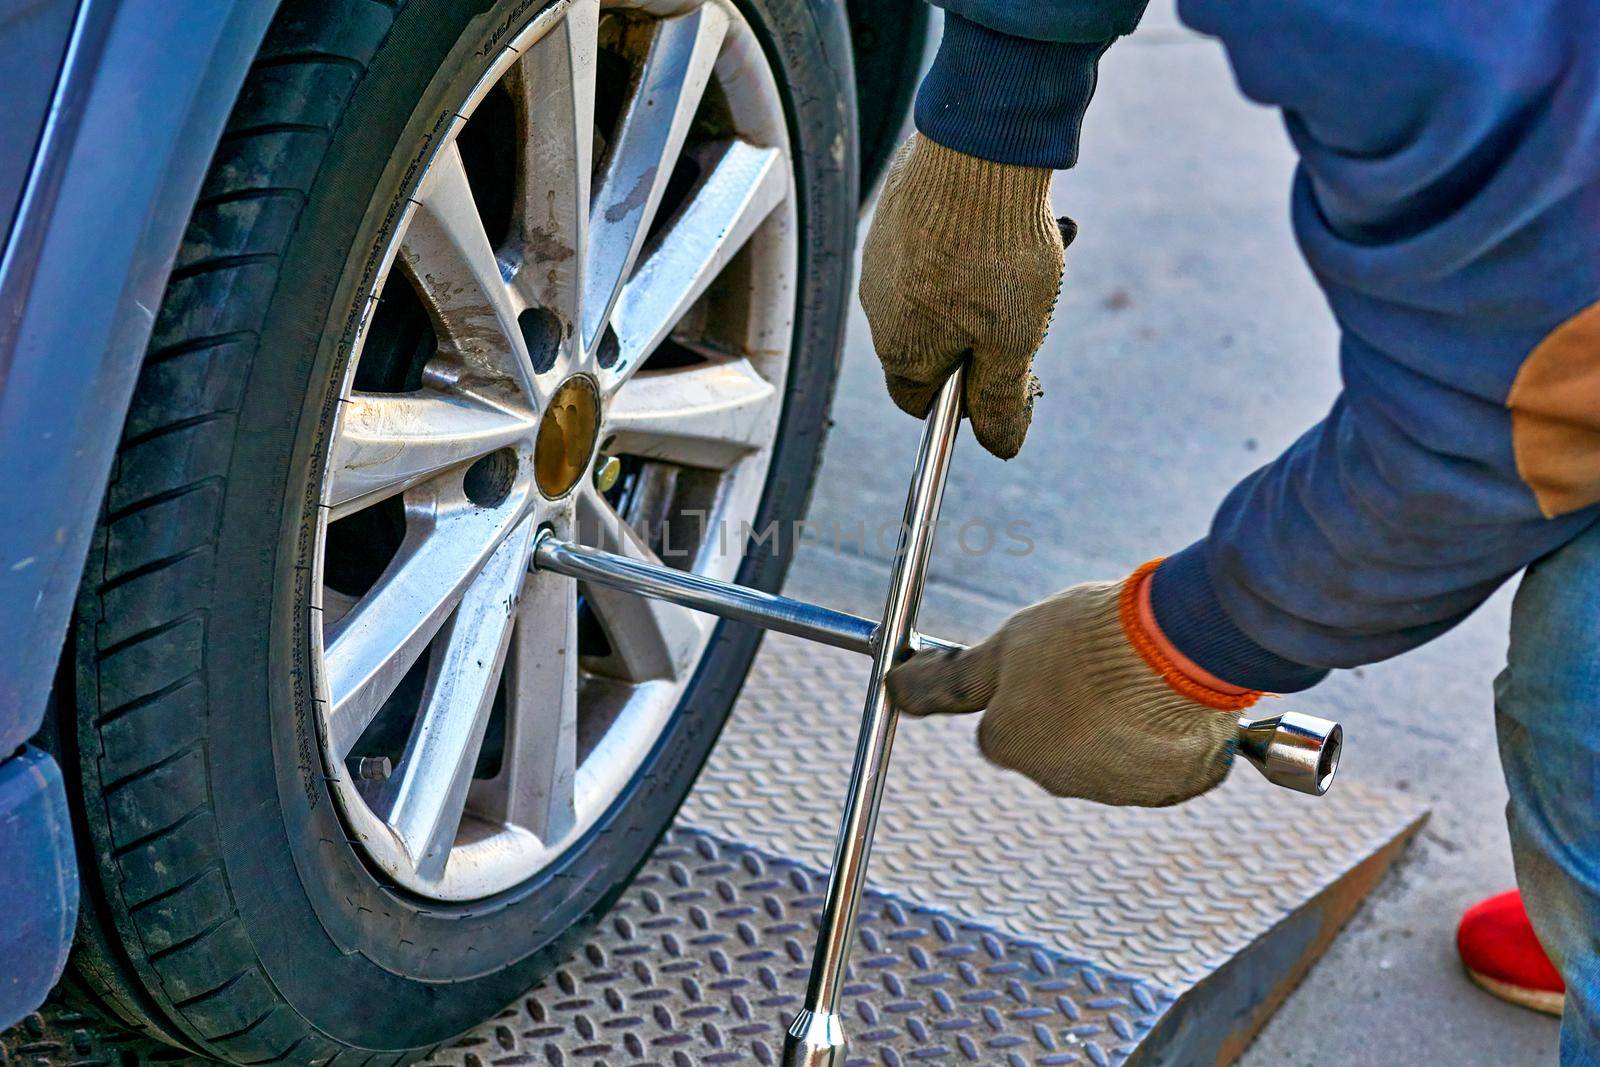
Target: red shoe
pixel 1501 954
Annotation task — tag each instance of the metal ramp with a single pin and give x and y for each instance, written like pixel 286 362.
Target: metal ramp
pixel 1002 926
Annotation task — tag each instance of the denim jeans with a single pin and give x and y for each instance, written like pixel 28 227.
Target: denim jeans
pixel 1547 704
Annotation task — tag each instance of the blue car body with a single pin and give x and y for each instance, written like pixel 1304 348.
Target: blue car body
pixel 114 109
pixel 110 111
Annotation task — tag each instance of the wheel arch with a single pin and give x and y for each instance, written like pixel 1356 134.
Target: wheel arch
pixel 891 40
pixel 125 148
pixel 126 143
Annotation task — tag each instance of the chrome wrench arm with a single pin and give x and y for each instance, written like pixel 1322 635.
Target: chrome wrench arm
pixel 816 1038
pixel 1291 749
pixel 785 615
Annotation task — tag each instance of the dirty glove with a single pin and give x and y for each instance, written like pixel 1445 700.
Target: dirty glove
pixel 963 255
pixel 1083 700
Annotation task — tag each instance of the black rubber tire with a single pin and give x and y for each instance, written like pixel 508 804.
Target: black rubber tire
pixel 223 908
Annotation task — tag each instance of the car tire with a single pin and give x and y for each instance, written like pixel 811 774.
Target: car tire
pixel 225 909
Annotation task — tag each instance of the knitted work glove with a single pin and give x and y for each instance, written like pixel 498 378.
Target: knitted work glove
pixel 1083 701
pixel 963 256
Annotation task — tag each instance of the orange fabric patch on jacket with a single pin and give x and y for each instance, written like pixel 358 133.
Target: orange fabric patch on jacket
pixel 1555 416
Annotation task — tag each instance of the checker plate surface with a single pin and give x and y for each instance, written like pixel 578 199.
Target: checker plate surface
pixel 1169 893
pixel 706 957
pixel 1003 926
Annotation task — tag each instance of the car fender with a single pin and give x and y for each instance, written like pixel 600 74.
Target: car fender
pixel 146 88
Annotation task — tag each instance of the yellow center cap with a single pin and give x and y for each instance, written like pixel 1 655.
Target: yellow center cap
pixel 566 437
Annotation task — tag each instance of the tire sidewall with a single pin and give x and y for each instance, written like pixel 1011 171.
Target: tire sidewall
pixel 364 962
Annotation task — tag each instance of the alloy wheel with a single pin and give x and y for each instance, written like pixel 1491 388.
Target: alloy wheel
pixel 595 274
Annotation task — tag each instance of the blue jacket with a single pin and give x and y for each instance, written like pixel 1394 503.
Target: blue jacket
pixel 1448 202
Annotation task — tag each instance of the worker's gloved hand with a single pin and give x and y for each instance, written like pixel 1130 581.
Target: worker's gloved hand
pixel 963 256
pixel 1081 700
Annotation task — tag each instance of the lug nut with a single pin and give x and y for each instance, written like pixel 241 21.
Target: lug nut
pixel 606 473
pixel 372 768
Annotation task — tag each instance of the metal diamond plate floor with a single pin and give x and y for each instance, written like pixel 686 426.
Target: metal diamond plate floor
pixel 705 962
pixel 1171 892
pixel 1003 927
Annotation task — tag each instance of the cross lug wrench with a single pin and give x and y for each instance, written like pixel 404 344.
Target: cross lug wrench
pixel 1297 751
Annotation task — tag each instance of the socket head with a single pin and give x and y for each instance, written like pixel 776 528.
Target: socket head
pixel 1296 751
pixel 815 1039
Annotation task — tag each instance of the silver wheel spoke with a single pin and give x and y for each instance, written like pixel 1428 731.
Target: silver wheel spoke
pixel 709 415
pixel 553 85
pixel 656 118
pixel 386 443
pixel 650 639
pixel 744 186
pixel 436 770
pixel 535 787
pixel 372 647
pixel 447 251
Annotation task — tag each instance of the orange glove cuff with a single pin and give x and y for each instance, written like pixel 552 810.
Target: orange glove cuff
pixel 1183 675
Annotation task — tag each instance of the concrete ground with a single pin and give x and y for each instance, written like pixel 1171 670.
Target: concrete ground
pixel 1190 346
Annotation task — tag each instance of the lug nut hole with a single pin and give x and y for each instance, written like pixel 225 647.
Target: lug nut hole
pixel 488 482
pixel 541 332
pixel 609 349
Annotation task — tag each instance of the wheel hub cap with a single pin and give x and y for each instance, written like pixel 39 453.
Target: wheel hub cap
pixel 566 437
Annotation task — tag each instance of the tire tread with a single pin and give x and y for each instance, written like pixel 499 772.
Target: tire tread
pixel 163 949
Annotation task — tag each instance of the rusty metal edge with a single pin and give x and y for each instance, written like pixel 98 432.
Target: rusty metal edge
pixel 1216 1019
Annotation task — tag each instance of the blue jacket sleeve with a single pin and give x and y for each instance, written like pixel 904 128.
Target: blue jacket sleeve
pixel 1448 202
pixel 1063 21
pixel 1012 78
